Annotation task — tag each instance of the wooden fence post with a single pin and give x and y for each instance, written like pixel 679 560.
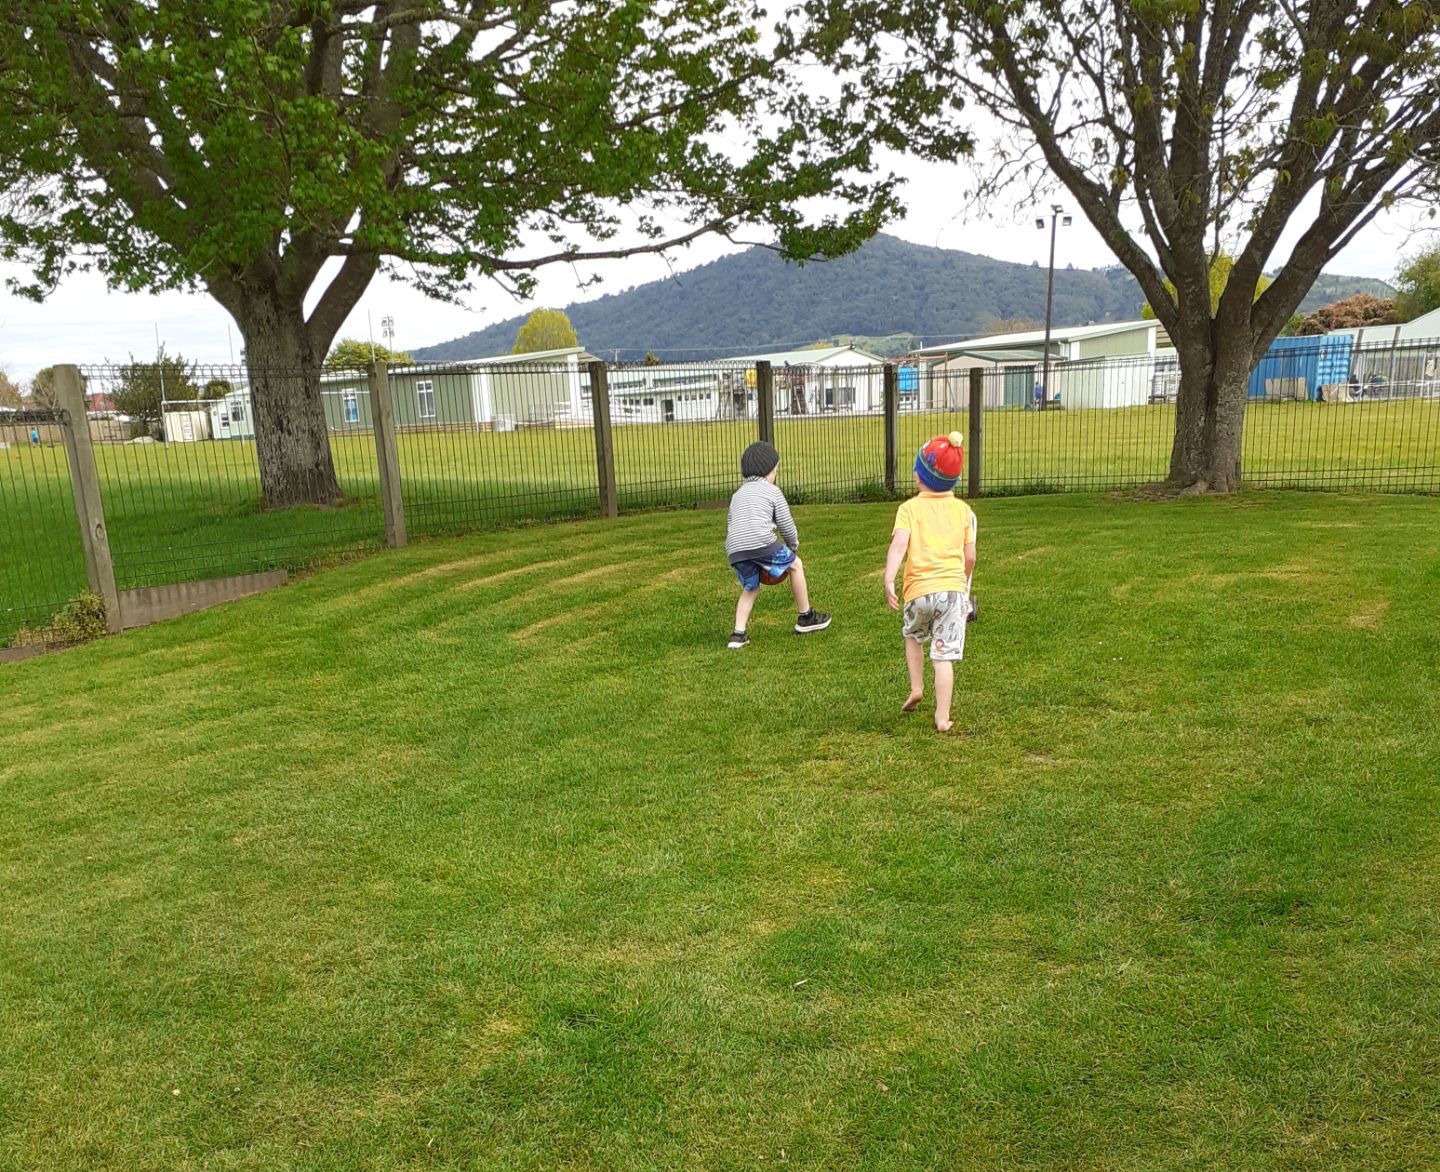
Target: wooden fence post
pixel 765 400
pixel 387 454
pixel 892 423
pixel 976 443
pixel 85 481
pixel 604 440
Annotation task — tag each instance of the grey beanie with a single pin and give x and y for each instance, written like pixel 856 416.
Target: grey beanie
pixel 758 459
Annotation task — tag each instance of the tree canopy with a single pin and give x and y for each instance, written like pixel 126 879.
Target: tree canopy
pixel 357 354
pixel 143 388
pixel 42 388
pixel 1417 284
pixel 1363 309
pixel 545 329
pixel 9 391
pixel 278 153
pixel 1183 131
pixel 1220 269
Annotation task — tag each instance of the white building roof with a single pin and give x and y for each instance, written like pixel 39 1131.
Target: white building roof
pixel 1037 337
pixel 824 356
pixel 352 374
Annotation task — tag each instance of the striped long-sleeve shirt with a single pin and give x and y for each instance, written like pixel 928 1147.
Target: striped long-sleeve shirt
pixel 757 510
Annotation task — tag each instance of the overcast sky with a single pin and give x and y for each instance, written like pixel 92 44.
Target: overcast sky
pixel 83 322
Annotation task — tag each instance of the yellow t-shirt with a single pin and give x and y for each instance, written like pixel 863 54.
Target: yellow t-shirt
pixel 940 525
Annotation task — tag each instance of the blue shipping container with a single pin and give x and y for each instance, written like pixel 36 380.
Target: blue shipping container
pixel 1319 361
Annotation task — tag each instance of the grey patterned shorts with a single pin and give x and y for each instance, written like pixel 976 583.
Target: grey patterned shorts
pixel 940 619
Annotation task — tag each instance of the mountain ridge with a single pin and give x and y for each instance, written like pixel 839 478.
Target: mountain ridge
pixel 889 293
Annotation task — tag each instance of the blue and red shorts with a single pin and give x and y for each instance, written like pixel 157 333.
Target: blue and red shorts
pixel 772 570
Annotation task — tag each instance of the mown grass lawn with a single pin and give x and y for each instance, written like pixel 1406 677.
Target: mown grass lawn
pixel 485 854
pixel 178 512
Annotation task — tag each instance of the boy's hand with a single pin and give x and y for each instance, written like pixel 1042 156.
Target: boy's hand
pixel 891 600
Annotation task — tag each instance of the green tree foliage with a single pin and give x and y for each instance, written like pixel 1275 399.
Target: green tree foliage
pixel 1417 285
pixel 545 329
pixel 1355 312
pixel 277 153
pixel 143 388
pixel 356 354
pixel 1174 126
pixel 216 388
pixel 1220 270
pixel 651 358
pixel 9 392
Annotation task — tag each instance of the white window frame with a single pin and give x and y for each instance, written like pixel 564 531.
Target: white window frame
pixel 422 389
pixel 350 406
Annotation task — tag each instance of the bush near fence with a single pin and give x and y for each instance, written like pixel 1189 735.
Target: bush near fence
pixel 489 444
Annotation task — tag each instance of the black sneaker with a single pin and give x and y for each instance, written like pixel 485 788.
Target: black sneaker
pixel 812 620
pixel 738 639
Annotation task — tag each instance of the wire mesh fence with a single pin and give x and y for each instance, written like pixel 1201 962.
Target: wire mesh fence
pixel 185 485
pixel 830 431
pixel 1340 413
pixel 183 493
pixel 488 443
pixel 678 431
pixel 42 564
pixel 1106 425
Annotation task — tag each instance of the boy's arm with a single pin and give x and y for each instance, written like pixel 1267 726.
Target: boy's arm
pixel 898 545
pixel 970 547
pixel 784 522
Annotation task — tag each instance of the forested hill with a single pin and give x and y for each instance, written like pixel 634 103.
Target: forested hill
pixel 886 296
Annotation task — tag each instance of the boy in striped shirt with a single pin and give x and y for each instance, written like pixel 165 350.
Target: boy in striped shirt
pixel 757 554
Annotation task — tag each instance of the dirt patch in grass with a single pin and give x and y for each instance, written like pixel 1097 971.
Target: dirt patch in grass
pixel 1370 615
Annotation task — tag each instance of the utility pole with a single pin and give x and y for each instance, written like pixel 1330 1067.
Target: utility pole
pixel 1057 217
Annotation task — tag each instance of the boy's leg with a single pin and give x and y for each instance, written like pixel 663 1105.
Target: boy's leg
pixel 944 689
pixel 798 585
pixel 744 607
pixel 915 665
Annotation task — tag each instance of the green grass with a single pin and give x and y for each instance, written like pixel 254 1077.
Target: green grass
pixel 484 854
pixel 185 511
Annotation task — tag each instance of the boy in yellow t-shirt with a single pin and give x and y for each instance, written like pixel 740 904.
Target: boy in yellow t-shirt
pixel 935 538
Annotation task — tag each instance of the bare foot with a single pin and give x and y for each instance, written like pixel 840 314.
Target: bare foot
pixel 913 702
pixel 944 726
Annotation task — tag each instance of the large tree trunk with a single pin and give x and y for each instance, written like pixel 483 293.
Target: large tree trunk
pixel 292 441
pixel 1215 365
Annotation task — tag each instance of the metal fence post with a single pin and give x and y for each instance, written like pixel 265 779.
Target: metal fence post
pixel 765 400
pixel 604 440
pixel 892 423
pixel 975 456
pixel 387 454
pixel 85 481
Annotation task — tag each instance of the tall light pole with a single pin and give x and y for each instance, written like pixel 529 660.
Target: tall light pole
pixel 387 328
pixel 1057 218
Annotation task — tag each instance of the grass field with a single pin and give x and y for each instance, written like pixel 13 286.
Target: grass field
pixel 485 854
pixel 186 511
